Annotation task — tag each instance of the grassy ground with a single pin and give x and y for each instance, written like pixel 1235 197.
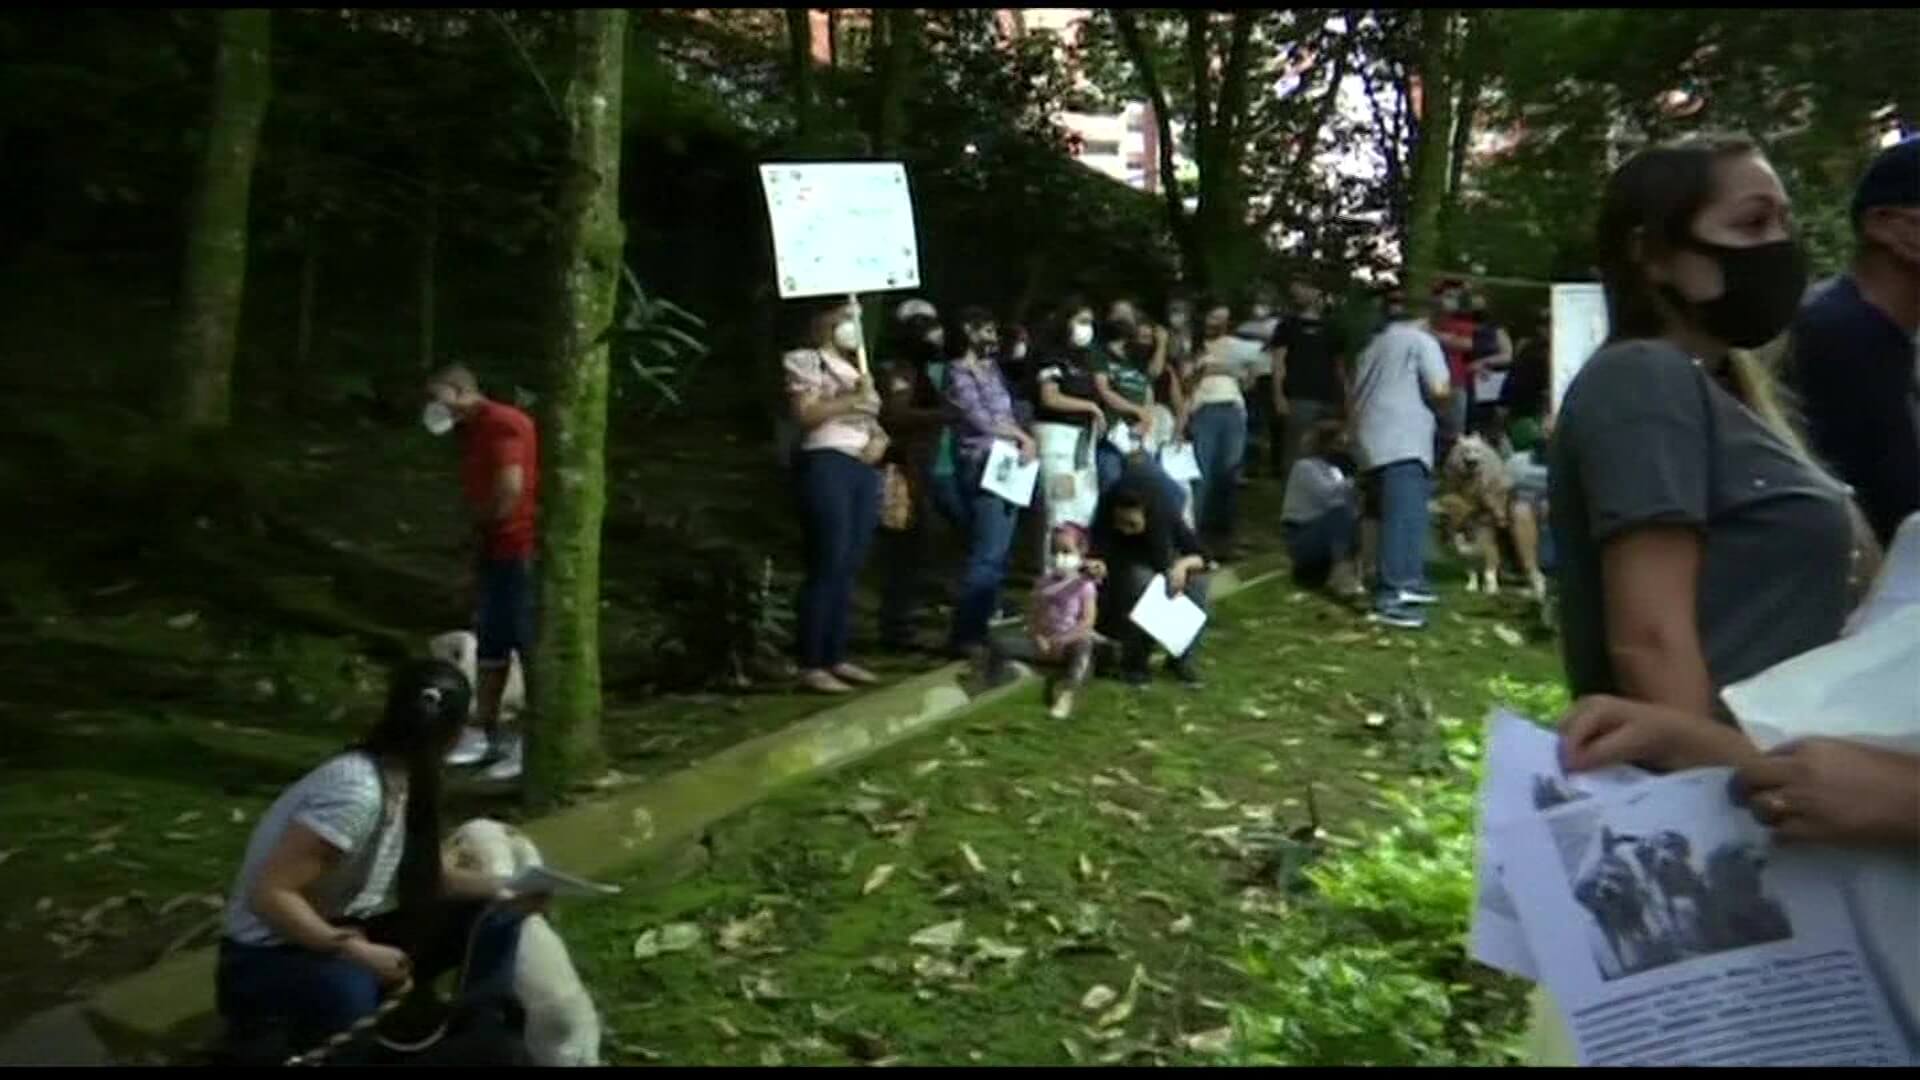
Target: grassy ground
pixel 1043 861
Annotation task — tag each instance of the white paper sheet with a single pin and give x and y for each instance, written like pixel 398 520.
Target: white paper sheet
pixel 1577 329
pixel 545 881
pixel 1180 462
pixel 1523 777
pixel 1864 688
pixel 1174 621
pixel 1120 437
pixel 1668 931
pixel 1007 477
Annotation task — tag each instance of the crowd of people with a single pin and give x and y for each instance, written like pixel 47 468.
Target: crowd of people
pixel 1698 539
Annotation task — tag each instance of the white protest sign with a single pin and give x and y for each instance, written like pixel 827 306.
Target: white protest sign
pixel 1579 316
pixel 841 228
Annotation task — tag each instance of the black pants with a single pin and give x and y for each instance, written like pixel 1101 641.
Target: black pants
pixel 1068 670
pixel 1118 595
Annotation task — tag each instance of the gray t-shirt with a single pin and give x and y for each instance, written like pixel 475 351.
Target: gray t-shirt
pixel 341 802
pixel 1314 487
pixel 1647 437
pixel 1392 422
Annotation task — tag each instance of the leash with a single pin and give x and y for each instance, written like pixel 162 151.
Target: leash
pixel 319 1054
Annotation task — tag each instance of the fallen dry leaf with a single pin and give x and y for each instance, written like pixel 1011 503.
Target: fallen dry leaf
pixel 741 933
pixel 238 817
pixel 973 859
pixel 5 855
pixel 1099 998
pixel 982 808
pixel 1508 635
pixel 826 1017
pixel 948 892
pixel 928 767
pixel 1074 1053
pixel 1085 866
pixel 183 621
pixel 1124 1009
pixel 1160 898
pixel 1181 926
pixel 771 1058
pixel 726 1029
pixel 942 936
pixel 188 818
pixel 1211 800
pixel 1102 780
pixel 761 988
pixel 672 938
pixel 986 948
pixel 1016 879
pixel 1212 1043
pixel 881 874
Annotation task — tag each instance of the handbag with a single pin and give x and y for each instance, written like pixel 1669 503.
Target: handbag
pixel 896 498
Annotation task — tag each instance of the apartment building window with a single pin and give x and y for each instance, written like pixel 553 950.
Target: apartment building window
pixel 1103 148
pixel 1137 122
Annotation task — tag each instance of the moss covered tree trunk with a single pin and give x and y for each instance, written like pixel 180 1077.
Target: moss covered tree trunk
pixel 1431 149
pixel 564 737
pixel 214 276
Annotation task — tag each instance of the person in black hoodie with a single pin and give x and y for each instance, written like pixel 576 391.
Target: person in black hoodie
pixel 1138 536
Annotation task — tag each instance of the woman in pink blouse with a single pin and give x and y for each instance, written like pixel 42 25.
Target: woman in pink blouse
pixel 837 410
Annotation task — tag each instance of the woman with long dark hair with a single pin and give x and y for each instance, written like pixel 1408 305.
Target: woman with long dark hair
pixel 342 894
pixel 1699 544
pixel 1068 420
pixel 837 409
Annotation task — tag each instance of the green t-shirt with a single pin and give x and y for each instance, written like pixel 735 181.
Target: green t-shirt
pixel 1129 381
pixel 943 452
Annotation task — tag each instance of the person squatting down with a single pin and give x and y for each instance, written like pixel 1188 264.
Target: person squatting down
pixel 1060 624
pixel 500 475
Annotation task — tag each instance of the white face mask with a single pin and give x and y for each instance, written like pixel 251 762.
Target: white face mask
pixel 846 337
pixel 1067 562
pixel 1019 350
pixel 1082 335
pixel 437 418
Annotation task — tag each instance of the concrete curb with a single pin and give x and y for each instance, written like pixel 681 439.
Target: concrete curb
pixel 657 823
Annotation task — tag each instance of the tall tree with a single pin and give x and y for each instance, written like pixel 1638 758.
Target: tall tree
pixel 800 67
pixel 564 740
pixel 214 277
pixel 895 57
pixel 1432 144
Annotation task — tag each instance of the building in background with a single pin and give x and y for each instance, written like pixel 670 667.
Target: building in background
pixel 1124 145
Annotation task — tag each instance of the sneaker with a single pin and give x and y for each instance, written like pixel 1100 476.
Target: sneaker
pixel 509 764
pixel 855 675
pixel 470 750
pixel 1539 585
pixel 1398 617
pixel 1183 670
pixel 821 682
pixel 1062 706
pixel 1416 598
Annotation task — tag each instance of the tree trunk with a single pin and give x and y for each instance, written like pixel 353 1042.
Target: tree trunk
pixel 800 67
pixel 833 38
pixel 1470 74
pixel 564 738
pixel 893 77
pixel 214 277
pixel 429 272
pixel 1432 143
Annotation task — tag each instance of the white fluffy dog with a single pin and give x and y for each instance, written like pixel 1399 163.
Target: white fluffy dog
pixel 461 649
pixel 562 1026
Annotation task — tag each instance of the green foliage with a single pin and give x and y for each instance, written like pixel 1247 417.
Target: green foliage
pixel 655 338
pixel 1542 702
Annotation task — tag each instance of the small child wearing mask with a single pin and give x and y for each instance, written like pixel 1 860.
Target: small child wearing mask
pixel 1059 631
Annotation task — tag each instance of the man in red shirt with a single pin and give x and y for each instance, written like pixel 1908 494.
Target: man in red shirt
pixel 499 474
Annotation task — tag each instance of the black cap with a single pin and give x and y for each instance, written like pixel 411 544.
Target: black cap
pixel 1892 180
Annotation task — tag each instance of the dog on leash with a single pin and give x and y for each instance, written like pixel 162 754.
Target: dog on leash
pixel 1476 497
pixel 461 649
pixel 563 1029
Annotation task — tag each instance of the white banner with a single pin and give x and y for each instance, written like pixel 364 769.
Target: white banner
pixel 841 228
pixel 1579 328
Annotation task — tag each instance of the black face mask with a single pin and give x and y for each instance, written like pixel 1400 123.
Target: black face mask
pixel 1762 287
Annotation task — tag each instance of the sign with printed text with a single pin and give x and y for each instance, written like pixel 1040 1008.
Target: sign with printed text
pixel 841 228
pixel 1579 315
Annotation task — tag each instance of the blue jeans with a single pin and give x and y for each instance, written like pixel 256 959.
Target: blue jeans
pixel 1404 521
pixel 991 523
pixel 1315 546
pixel 840 508
pixel 1111 465
pixel 503 617
pixel 1220 442
pixel 312 997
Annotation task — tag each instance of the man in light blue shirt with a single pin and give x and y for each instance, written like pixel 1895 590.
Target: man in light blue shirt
pixel 1400 385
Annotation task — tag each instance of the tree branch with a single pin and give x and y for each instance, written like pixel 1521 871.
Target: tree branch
pixel 1295 175
pixel 1199 35
pixel 1163 122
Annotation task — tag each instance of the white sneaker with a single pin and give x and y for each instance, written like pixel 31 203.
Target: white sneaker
pixel 1539 584
pixel 1473 582
pixel 512 760
pixel 471 748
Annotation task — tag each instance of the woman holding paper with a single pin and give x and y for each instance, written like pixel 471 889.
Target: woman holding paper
pixel 1698 543
pixel 835 404
pixel 1139 539
pixel 984 407
pixel 310 942
pixel 1069 420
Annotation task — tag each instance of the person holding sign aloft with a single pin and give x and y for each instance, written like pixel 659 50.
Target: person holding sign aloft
pixel 984 415
pixel 834 403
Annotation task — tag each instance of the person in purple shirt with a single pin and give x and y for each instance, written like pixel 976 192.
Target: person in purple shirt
pixel 1060 625
pixel 984 415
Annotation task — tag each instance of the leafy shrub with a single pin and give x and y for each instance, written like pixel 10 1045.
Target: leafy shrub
pixel 1543 702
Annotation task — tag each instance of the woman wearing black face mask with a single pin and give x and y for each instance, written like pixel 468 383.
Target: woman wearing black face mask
pixel 1699 542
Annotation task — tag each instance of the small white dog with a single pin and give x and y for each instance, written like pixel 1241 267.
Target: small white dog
pixel 562 1027
pixel 461 649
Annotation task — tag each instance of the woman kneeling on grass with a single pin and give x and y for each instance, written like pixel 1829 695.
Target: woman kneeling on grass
pixel 1059 632
pixel 311 941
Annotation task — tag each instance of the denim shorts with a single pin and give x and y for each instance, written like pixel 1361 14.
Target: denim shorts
pixel 503 620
